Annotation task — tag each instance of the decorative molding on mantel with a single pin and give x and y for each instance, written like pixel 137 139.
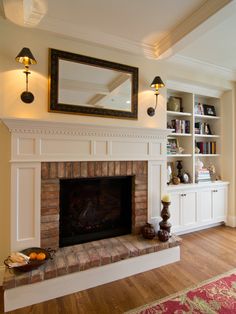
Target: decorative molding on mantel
pixel 25 126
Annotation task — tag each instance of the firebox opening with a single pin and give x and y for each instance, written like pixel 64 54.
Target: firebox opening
pixel 94 208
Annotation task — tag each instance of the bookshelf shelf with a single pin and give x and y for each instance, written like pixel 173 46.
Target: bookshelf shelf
pixel 201 116
pixel 206 155
pixel 179 155
pixel 207 135
pixel 176 113
pixel 180 134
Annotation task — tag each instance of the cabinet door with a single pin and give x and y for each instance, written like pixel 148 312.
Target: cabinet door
pixel 219 203
pixel 189 208
pixel 175 218
pixel 205 205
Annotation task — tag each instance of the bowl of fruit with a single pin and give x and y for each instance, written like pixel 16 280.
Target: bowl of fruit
pixel 28 259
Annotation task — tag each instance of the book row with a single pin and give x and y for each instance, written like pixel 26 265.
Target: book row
pixel 180 126
pixel 206 147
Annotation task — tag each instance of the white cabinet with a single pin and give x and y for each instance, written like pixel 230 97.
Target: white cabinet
pixel 189 208
pixel 205 205
pixel 219 203
pixel 196 206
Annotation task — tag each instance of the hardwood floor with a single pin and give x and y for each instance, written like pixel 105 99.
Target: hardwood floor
pixel 204 254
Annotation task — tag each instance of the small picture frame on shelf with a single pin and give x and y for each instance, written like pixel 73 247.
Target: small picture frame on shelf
pixel 198 108
pixel 174 104
pixel 209 110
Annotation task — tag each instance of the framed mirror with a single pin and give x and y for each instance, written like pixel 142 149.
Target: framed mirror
pixel 91 86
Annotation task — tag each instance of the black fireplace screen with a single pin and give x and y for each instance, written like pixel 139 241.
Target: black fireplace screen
pixel 94 208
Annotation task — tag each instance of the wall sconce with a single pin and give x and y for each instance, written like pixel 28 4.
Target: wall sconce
pixel 156 83
pixel 26 57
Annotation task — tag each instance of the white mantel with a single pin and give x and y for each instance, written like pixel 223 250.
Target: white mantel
pixel 33 142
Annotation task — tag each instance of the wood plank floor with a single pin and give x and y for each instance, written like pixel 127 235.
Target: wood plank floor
pixel 204 254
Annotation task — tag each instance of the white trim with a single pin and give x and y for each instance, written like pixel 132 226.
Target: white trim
pixel 49 289
pixel 197 228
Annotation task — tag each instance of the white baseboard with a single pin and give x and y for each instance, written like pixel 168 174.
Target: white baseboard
pixel 231 221
pixel 2 269
pixel 49 289
pixel 198 228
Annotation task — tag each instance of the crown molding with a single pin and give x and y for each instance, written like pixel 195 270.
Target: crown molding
pixel 205 67
pixel 62 27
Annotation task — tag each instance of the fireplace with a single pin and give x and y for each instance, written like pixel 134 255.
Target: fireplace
pixel 43 153
pixel 127 176
pixel 94 208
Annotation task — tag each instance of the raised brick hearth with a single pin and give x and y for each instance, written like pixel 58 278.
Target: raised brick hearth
pixel 86 256
pixel 52 172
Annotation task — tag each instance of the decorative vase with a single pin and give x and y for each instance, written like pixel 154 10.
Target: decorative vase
pixel 179 167
pixel 148 231
pixel 163 235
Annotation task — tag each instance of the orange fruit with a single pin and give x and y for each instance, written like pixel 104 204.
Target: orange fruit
pixel 33 255
pixel 41 256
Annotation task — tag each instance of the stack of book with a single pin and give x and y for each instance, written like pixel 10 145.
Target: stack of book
pixel 170 149
pixel 203 175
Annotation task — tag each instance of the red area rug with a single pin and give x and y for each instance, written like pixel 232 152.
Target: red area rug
pixel 217 295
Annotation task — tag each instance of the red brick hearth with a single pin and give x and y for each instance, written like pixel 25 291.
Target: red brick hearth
pixel 85 256
pixel 52 172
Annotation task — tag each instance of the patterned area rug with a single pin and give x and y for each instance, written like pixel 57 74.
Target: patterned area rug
pixel 217 295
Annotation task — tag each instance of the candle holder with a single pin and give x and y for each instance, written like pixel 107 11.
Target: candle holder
pixel 165 215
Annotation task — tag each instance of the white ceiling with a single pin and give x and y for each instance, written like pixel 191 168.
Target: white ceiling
pixel 197 30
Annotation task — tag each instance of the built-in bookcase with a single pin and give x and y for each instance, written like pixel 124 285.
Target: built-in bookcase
pixel 204 116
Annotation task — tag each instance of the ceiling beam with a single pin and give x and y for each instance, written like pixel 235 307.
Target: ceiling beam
pixel 194 26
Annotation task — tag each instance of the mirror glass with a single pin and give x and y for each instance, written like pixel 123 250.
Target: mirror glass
pixel 85 85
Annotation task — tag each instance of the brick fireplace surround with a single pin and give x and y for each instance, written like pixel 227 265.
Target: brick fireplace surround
pixel 42 153
pixel 52 172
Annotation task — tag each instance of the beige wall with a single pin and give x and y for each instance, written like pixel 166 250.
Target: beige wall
pixel 12 82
